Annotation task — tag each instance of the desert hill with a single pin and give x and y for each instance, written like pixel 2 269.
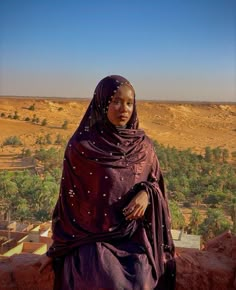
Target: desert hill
pixel 183 125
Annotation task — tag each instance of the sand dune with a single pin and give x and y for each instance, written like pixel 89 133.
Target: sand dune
pixel 189 125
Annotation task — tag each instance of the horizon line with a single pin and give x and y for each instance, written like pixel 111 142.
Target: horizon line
pixel 138 100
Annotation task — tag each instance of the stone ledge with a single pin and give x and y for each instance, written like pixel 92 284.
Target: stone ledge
pixel 20 272
pixel 213 268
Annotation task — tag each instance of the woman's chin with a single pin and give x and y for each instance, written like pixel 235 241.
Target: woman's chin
pixel 121 124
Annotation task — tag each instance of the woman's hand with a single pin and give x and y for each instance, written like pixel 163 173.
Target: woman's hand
pixel 136 208
pixel 44 261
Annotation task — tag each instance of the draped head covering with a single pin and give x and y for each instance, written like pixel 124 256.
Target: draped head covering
pixel 103 94
pixel 104 168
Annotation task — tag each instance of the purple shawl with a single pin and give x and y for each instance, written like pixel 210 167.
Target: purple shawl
pixel 104 167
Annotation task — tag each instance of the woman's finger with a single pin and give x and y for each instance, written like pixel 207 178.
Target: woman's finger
pixel 130 215
pixel 135 214
pixel 138 213
pixel 129 209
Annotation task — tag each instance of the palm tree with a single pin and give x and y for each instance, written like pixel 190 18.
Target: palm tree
pixel 195 221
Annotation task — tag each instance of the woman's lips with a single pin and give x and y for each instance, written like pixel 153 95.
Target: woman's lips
pixel 123 117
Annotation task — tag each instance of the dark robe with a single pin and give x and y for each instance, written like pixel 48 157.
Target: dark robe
pixel 94 246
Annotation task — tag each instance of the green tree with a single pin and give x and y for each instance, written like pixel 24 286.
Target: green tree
pixel 233 154
pixel 214 224
pixel 215 198
pixel 217 153
pixel 225 155
pixel 208 154
pixel 177 218
pixel 198 199
pixel 22 211
pixel 50 158
pixel 29 196
pixel 233 215
pixel 195 221
pixel 47 198
pixel 8 192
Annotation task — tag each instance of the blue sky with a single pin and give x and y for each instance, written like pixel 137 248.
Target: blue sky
pixel 168 49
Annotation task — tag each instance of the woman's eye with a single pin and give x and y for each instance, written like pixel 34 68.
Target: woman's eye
pixel 116 102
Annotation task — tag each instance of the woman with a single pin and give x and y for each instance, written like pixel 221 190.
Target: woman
pixel 111 223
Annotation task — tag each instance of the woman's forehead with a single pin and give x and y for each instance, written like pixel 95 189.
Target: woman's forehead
pixel 125 92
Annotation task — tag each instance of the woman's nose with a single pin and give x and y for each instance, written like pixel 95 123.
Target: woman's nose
pixel 124 108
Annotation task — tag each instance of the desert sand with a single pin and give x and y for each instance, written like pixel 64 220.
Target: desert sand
pixel 182 125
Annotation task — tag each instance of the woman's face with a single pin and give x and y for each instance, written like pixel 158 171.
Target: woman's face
pixel 121 106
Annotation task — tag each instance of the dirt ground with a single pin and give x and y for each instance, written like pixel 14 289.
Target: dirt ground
pixel 183 125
